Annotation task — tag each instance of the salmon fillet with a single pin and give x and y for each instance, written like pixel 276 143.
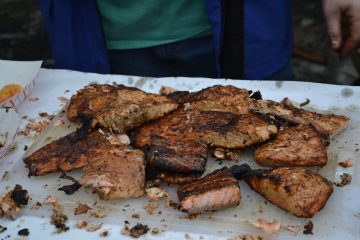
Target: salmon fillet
pixel 217 190
pixel 295 146
pixel 326 124
pixel 68 153
pixel 180 156
pixel 119 173
pixel 296 190
pixel 216 98
pixel 119 109
pixel 218 129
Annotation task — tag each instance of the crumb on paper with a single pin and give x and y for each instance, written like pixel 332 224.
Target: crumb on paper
pixel 59 122
pixel 166 90
pixel 2 229
pixel 138 230
pixel 81 224
pixel 81 208
pixel 97 215
pixel 36 205
pixel 346 163
pixel 26 147
pixel 272 227
pixel 247 237
pixel 172 204
pixel 135 215
pixel 293 229
pixel 308 228
pixel 33 127
pixel 155 231
pixel 24 232
pixel 104 233
pixel 150 207
pixel 50 200
pixel 155 193
pixel 58 218
pixel 345 179
pixel 222 153
pixel 94 227
pixel 33 98
pixel 306 102
pixel 46 115
pixel 125 230
pixel 187 236
pixel 13 201
pixel 63 100
pixel 5 176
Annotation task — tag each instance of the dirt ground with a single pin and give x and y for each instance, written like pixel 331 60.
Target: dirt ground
pixel 23 37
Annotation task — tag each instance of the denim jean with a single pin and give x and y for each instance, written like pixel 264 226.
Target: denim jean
pixel 193 57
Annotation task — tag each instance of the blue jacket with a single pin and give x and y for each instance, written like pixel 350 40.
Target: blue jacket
pixel 77 41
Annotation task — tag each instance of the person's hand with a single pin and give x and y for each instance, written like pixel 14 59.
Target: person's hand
pixel 334 10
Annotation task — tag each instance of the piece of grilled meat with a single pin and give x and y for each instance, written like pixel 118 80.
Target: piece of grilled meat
pixel 296 190
pixel 295 146
pixel 118 173
pixel 217 190
pixel 181 156
pixel 119 109
pixel 216 98
pixel 68 153
pixel 326 124
pixel 218 129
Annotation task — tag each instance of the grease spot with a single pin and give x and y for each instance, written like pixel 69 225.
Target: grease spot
pixel 130 80
pixel 347 92
pixel 151 86
pixel 279 84
pixel 352 108
pixel 141 82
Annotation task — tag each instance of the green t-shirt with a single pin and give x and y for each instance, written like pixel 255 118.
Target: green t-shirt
pixel 132 24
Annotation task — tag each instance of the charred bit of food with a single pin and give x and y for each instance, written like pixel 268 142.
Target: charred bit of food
pixel 272 227
pixel 24 232
pixel 308 228
pixel 346 163
pixel 13 201
pixel 81 208
pixel 345 179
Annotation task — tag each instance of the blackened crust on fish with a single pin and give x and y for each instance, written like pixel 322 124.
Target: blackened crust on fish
pixel 177 178
pixel 180 156
pixel 179 96
pixel 255 95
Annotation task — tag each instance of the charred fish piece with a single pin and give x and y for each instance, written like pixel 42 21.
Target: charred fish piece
pixel 327 125
pixel 216 98
pixel 119 173
pixel 217 190
pixel 181 156
pixel 69 153
pixel 119 109
pixel 216 129
pixel 295 146
pixel 296 190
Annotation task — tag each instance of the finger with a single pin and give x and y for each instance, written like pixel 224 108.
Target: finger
pixel 353 40
pixel 333 21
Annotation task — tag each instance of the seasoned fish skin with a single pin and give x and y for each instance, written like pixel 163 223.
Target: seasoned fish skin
pixel 327 124
pixel 296 190
pixel 181 156
pixel 218 129
pixel 119 173
pixel 295 146
pixel 218 190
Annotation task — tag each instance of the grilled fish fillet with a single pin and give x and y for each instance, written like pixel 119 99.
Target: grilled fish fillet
pixel 218 190
pixel 119 109
pixel 296 190
pixel 181 156
pixel 216 98
pixel 295 146
pixel 119 173
pixel 68 153
pixel 326 124
pixel 219 129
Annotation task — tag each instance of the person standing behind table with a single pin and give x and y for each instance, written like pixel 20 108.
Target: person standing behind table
pixel 250 39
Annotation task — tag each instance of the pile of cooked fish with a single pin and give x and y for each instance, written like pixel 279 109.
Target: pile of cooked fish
pixel 172 136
